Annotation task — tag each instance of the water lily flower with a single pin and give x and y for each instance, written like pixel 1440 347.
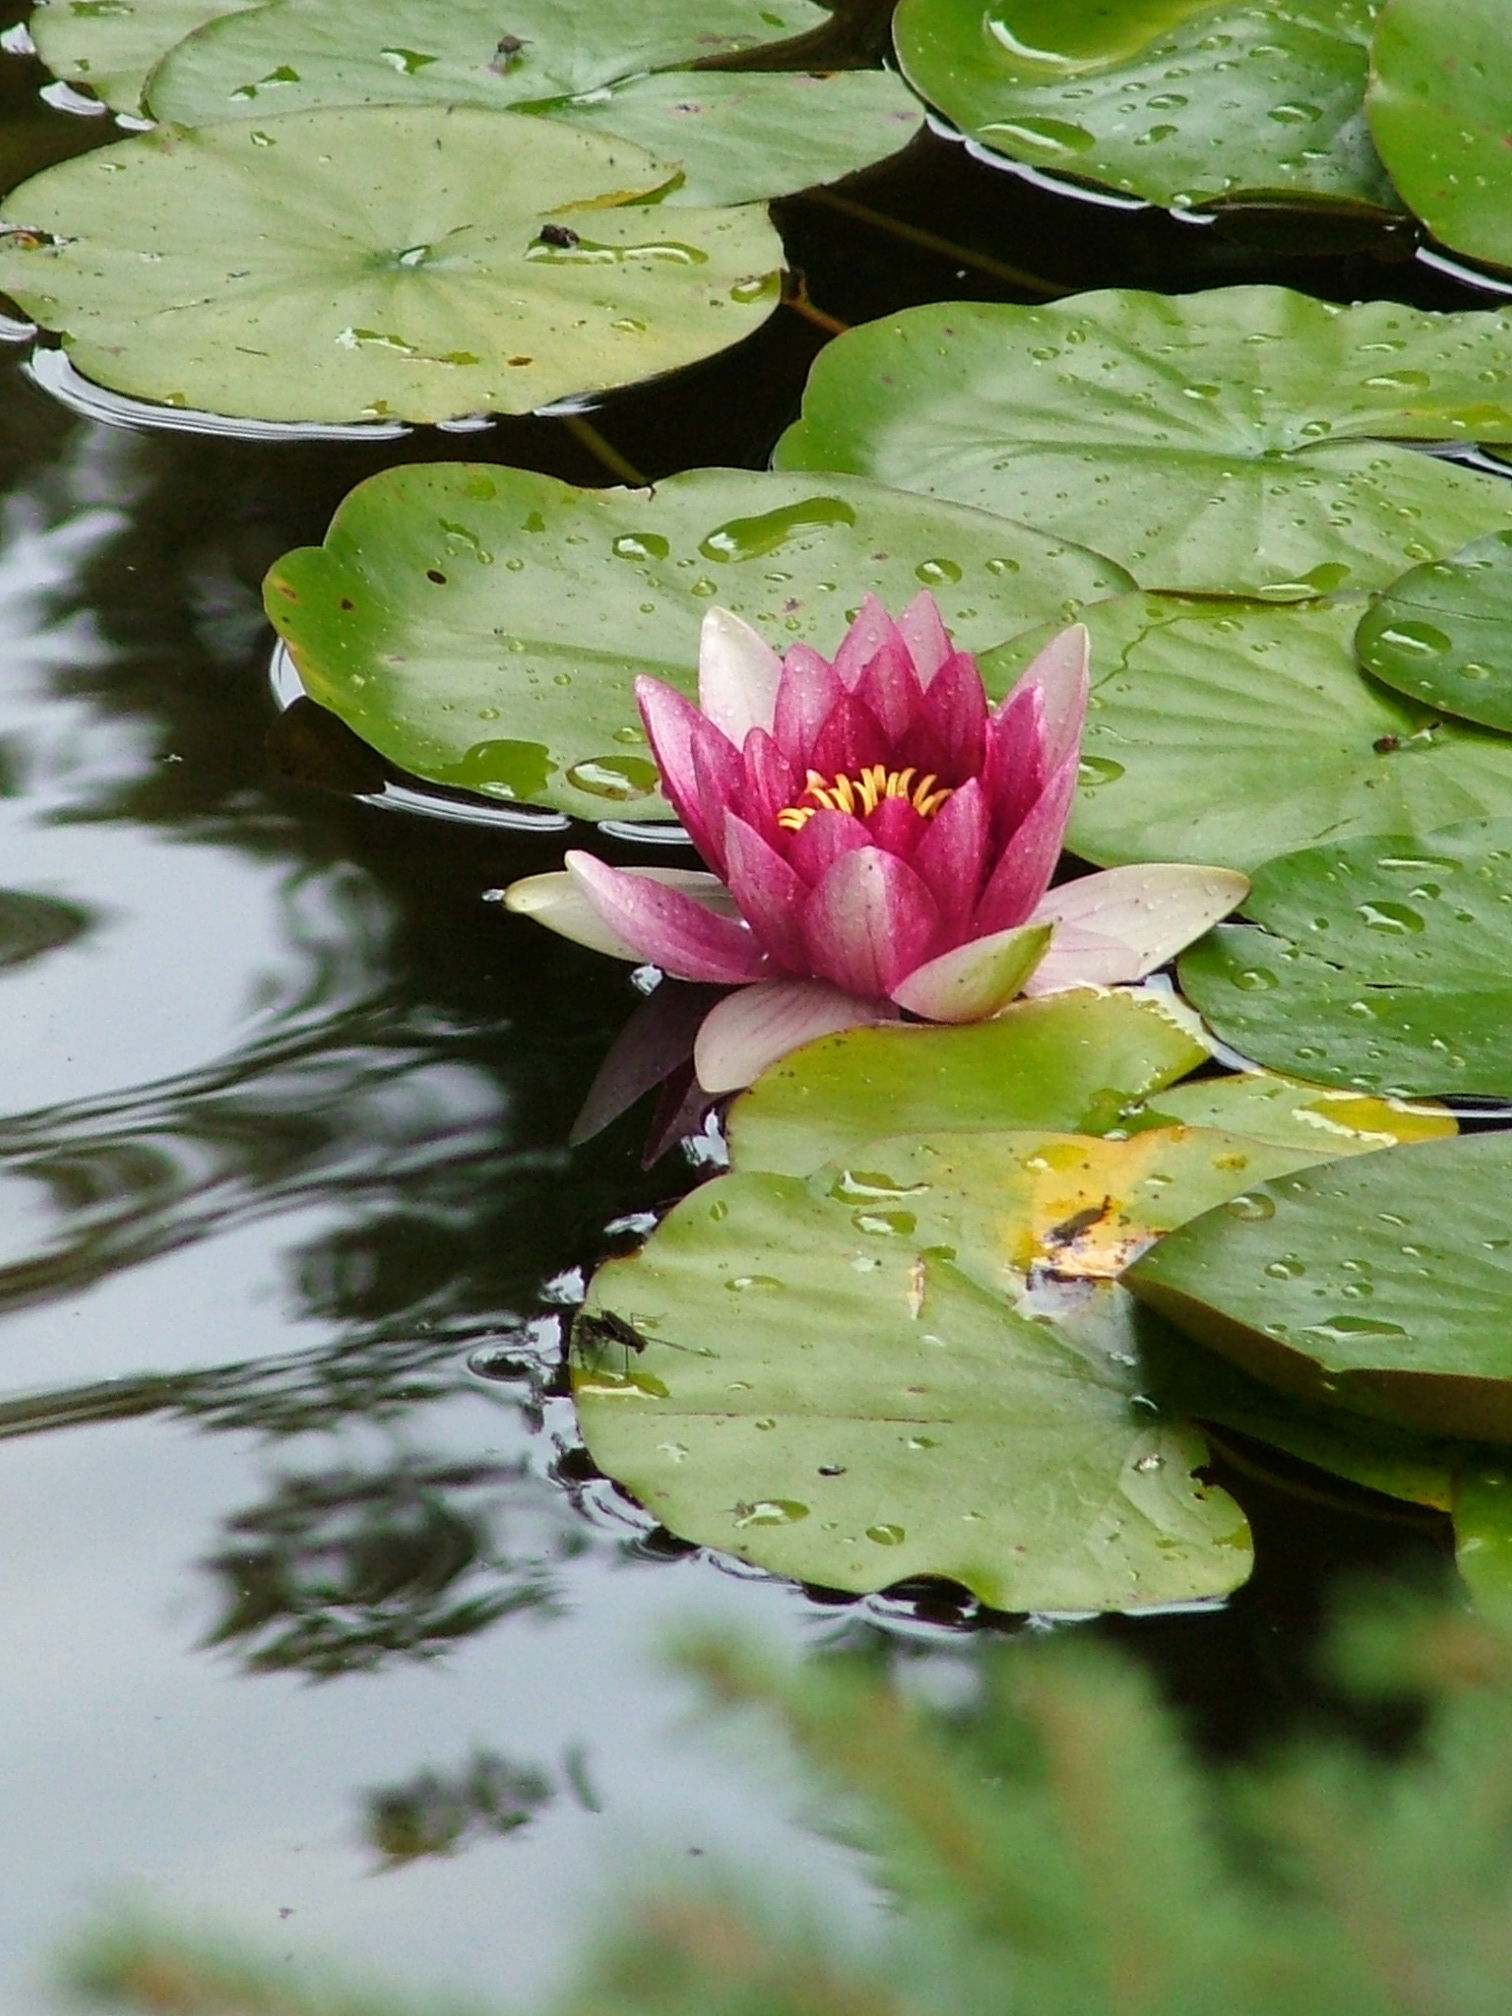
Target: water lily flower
pixel 878 842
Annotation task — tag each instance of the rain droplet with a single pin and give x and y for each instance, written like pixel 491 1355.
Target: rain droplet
pixel 887 1536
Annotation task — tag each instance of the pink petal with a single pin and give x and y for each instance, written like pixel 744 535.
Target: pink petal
pixel 924 633
pixel 771 782
pixel 952 855
pixel 850 739
pixel 676 729
pixel 971 982
pixel 738 673
pixel 656 1040
pixel 650 910
pixel 897 827
pixel 957 714
pixel 820 841
pixel 1023 874
pixel 1058 673
pixel 872 630
pixel 769 893
pixel 557 902
pixel 754 1026
pixel 808 693
pixel 889 686
pixel 870 921
pixel 1122 924
pixel 719 776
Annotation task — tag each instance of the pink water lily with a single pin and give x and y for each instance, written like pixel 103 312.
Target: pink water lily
pixel 877 842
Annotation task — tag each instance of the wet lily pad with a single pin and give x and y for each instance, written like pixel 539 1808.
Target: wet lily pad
pixel 1290 1113
pixel 1379 963
pixel 1442 633
pixel 834 1407
pixel 483 626
pixel 1237 440
pixel 109 46
pixel 297 55
pixel 1378 1285
pixel 745 136
pixel 1181 103
pixel 1075 1061
pixel 1437 105
pixel 379 262
pixel 1231 731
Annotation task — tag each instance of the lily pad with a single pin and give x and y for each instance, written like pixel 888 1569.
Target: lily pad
pixel 1379 963
pixel 298 55
pixel 1230 731
pixel 110 45
pixel 1182 102
pixel 1442 633
pixel 1378 1285
pixel 1075 1061
pixel 1483 1531
pixel 1237 440
pixel 833 1407
pixel 748 135
pixel 1437 105
pixel 482 626
pixel 1290 1113
pixel 379 262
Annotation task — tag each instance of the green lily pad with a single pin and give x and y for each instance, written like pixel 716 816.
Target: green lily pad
pixel 1231 731
pixel 482 626
pixel 1073 1061
pixel 1438 109
pixel 1237 440
pixel 1290 1113
pixel 745 136
pixel 111 45
pixel 831 1406
pixel 298 55
pixel 379 262
pixel 1379 963
pixel 1442 633
pixel 1378 1285
pixel 1180 102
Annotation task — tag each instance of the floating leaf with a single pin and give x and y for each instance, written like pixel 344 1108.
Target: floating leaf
pixel 1073 1061
pixel 1483 1531
pixel 482 626
pixel 824 1403
pixel 1289 1113
pixel 1180 103
pixel 1378 1285
pixel 1438 109
pixel 298 55
pixel 379 262
pixel 1379 963
pixel 1236 440
pixel 1442 633
pixel 1231 731
pixel 111 45
pixel 744 136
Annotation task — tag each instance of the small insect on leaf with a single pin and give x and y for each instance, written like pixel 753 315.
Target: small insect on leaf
pixel 596 1330
pixel 557 234
pixel 507 55
pixel 1081 1221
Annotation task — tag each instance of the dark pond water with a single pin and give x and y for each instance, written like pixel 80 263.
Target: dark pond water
pixel 292 1588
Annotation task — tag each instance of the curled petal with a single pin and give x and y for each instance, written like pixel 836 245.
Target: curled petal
pixel 872 631
pixel 1122 924
pixel 1022 875
pixel 771 782
pixel 1058 674
pixel 807 695
pixel 923 631
pixel 957 716
pixel 869 921
pixel 652 911
pixel 768 891
pixel 952 855
pixel 850 739
pixel 820 841
pixel 754 1026
pixel 971 982
pixel 738 673
pixel 889 687
pixel 558 902
pixel 676 729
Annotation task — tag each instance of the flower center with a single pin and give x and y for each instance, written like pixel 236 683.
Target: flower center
pixel 863 793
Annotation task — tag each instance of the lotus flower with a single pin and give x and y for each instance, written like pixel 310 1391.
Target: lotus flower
pixel 877 842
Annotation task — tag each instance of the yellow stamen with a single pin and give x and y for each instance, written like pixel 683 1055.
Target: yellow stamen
pixel 863 793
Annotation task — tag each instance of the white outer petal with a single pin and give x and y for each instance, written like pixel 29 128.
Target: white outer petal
pixel 737 675
pixel 754 1026
pixel 1120 925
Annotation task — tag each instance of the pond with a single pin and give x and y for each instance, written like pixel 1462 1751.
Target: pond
pixel 323 1626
